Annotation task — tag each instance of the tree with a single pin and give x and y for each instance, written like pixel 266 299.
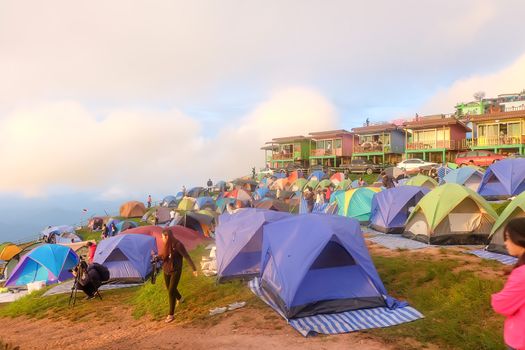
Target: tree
pixel 479 95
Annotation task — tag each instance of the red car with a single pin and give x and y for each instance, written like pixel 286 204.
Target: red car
pixel 480 158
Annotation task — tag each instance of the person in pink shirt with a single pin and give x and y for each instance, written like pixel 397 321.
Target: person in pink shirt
pixel 510 302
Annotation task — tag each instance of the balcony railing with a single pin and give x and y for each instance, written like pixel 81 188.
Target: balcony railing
pixel 424 145
pixel 370 148
pixel 338 152
pixel 282 156
pixel 494 141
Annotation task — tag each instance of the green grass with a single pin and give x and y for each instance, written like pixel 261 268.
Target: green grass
pixel 201 294
pixel 369 179
pixel 456 305
pixel 455 302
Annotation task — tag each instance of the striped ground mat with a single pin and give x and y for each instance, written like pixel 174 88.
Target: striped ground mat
pixel 343 322
pixel 502 258
pixel 395 241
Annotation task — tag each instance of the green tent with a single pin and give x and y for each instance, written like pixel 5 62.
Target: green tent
pixel 324 184
pixel 515 209
pixel 344 185
pixel 298 184
pixel 312 184
pixel 187 203
pixel 422 180
pixel 356 203
pixel 451 214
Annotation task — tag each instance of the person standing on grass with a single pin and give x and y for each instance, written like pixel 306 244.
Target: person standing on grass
pixel 510 302
pixel 149 201
pixel 172 252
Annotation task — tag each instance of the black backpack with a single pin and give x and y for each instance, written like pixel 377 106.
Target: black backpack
pixel 102 271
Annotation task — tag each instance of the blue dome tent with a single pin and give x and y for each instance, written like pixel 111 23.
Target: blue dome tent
pixel 48 263
pixel 239 241
pixel 317 263
pixel 127 257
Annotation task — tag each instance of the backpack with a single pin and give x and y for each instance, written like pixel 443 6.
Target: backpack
pixel 102 271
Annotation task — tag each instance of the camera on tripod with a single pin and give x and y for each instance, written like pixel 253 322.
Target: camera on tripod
pixel 88 278
pixel 156 264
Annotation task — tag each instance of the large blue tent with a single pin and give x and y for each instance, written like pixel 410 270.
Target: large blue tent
pixel 239 241
pixel 48 263
pixel 466 176
pixel 503 179
pixel 127 257
pixel 390 208
pixel 315 263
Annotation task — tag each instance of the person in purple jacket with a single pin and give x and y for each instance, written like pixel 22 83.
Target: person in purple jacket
pixel 510 302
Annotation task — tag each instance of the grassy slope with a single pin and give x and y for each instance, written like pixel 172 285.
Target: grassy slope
pixel 456 304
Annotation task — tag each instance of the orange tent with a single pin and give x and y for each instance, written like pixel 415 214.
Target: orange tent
pixel 294 175
pixel 132 209
pixel 8 250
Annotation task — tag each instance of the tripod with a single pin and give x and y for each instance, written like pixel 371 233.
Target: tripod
pixel 80 270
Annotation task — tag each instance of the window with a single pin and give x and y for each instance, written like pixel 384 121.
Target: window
pixel 319 144
pixel 483 154
pixel 472 154
pixel 328 145
pixel 337 143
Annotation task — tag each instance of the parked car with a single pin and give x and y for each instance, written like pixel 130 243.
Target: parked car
pixel 415 164
pixel 480 158
pixel 363 166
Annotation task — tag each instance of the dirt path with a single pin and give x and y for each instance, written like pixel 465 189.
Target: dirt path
pixel 245 328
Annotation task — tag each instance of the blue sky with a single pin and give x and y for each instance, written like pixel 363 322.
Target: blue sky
pixel 103 102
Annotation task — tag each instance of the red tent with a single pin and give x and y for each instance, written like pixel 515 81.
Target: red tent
pixel 190 238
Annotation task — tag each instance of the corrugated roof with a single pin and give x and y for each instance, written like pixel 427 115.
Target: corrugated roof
pixel 288 139
pixel 375 128
pixel 424 123
pixel 497 115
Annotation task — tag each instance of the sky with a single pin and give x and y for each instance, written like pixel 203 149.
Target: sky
pixel 107 101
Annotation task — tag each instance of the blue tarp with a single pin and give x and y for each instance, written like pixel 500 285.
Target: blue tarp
pixel 127 257
pixel 239 240
pixel 390 207
pixel 49 263
pixel 315 263
pixel 503 179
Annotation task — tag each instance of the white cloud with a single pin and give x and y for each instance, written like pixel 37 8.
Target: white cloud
pixel 506 80
pixel 131 152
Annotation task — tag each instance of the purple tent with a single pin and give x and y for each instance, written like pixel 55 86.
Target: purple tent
pixel 390 207
pixel 239 240
pixel 127 256
pixel 503 179
pixel 315 263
